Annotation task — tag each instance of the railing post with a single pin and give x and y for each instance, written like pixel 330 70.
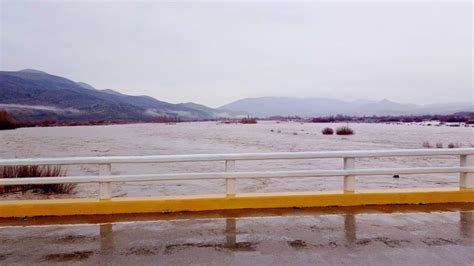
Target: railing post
pixel 105 188
pixel 466 180
pixel 349 181
pixel 230 182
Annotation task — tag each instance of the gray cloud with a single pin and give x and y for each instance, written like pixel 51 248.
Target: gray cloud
pixel 214 53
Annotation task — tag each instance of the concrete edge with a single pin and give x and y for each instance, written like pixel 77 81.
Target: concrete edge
pixel 65 207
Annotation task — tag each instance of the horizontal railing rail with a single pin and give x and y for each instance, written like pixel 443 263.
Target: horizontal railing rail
pixel 235 157
pixel 105 177
pixel 234 175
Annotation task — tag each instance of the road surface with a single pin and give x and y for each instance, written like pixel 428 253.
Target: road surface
pixel 410 235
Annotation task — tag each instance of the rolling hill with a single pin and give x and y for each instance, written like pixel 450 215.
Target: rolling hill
pixel 36 95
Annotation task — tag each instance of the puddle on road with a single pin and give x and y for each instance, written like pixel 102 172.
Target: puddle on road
pixel 68 239
pixel 297 243
pixel 240 246
pixel 68 257
pixel 178 238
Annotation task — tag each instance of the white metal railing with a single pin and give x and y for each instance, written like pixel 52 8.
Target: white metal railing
pixel 349 172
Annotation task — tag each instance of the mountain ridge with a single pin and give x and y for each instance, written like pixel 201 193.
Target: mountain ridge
pixel 307 107
pixel 54 95
pixel 34 95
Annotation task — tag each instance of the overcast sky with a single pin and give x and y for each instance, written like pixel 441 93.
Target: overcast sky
pixel 214 53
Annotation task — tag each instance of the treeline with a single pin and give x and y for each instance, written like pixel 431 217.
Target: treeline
pixel 283 118
pixel 7 122
pixel 465 117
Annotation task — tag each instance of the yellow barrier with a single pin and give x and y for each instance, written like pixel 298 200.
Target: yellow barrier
pixel 62 207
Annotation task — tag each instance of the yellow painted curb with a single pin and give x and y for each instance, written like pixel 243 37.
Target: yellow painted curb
pixel 62 207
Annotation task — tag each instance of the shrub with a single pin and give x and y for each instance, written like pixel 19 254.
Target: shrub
pixel 165 119
pixel 345 130
pixel 439 145
pixel 454 145
pixel 248 120
pixel 35 171
pixel 5 121
pixel 327 131
pixel 323 120
pixel 426 144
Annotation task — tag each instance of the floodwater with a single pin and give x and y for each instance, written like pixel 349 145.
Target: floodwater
pixel 212 137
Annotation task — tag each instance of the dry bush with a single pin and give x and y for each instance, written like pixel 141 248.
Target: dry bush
pixel 327 131
pixel 439 145
pixel 248 120
pixel 345 130
pixel 35 171
pixel 454 145
pixel 165 119
pixel 5 121
pixel 426 144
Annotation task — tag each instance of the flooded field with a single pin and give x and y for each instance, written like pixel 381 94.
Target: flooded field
pixel 211 137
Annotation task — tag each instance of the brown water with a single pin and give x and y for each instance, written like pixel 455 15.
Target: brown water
pixel 211 137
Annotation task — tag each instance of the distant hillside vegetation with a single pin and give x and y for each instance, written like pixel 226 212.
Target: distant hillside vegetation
pixel 35 95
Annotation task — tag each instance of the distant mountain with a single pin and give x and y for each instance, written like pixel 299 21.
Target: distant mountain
pixel 34 95
pixel 114 92
pixel 288 106
pixel 219 112
pixel 85 86
pixel 32 71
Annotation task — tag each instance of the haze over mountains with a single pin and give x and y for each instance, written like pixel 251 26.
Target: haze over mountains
pixel 289 106
pixel 34 95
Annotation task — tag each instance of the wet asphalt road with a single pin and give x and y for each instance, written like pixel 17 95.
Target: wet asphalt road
pixel 413 235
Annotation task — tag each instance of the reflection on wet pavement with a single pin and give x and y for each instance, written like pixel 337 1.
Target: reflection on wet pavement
pixel 436 236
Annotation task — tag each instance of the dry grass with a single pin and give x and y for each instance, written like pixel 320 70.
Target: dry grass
pixel 327 131
pixel 427 144
pixel 439 145
pixel 35 171
pixel 345 130
pixel 248 120
pixel 454 145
